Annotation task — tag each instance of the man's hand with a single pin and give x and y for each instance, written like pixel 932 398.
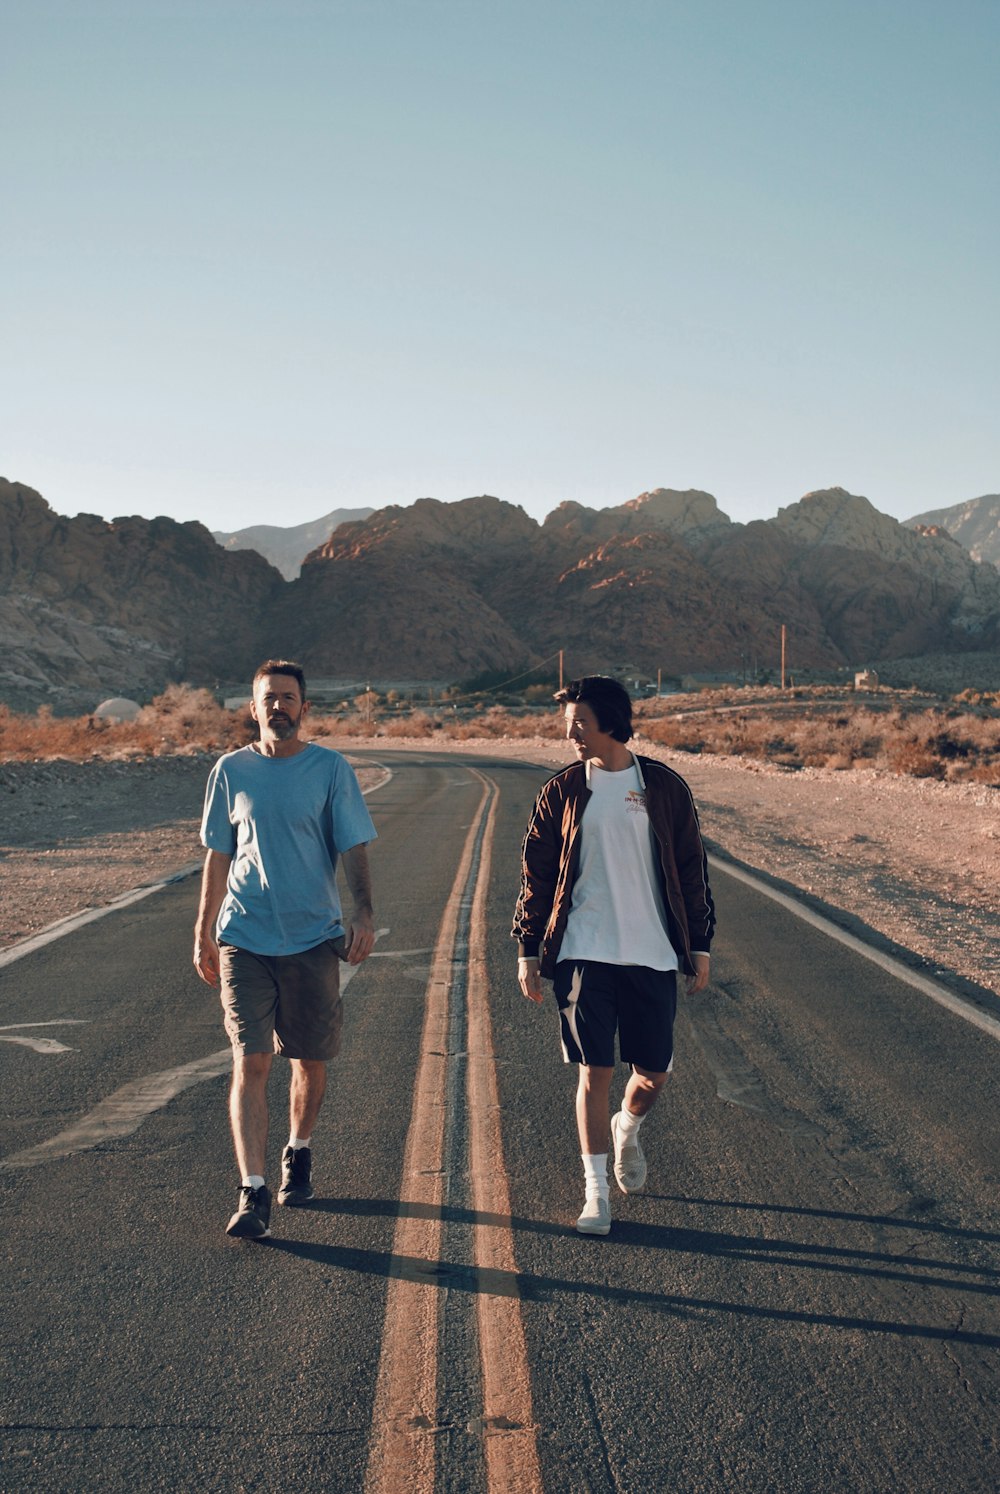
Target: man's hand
pixel 360 936
pixel 361 929
pixel 529 979
pixel 698 981
pixel 206 958
pixel 214 878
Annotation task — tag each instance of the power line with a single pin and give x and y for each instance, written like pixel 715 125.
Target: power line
pixel 492 689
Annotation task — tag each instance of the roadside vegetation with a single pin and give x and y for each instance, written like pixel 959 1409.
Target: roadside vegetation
pixel 906 732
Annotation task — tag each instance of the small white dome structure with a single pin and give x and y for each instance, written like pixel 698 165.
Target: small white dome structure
pixel 117 709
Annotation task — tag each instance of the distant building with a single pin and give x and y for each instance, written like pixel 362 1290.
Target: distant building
pixel 117 709
pixel 866 679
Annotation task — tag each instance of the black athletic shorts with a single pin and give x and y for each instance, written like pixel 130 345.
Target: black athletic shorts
pixel 596 999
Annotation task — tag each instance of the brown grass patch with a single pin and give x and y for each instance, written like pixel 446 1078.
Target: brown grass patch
pixel 898 731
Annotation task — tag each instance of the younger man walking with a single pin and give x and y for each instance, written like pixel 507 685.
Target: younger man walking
pixel 614 901
pixel 278 816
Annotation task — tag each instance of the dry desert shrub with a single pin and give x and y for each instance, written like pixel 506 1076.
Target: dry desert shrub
pixel 181 720
pixel 23 737
pixel 418 724
pixel 823 728
pixel 497 722
pixel 946 744
pixel 334 727
pixel 187 719
pixel 937 743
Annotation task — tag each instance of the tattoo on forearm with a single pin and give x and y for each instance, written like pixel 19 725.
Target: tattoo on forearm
pixel 358 878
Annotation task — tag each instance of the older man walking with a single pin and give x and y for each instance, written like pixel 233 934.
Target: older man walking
pixel 279 815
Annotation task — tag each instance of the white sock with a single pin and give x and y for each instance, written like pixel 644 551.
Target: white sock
pixel 595 1172
pixel 628 1124
pixel 253 1180
pixel 297 1142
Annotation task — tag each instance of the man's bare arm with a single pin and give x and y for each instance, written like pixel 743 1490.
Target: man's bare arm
pixel 214 877
pixel 361 928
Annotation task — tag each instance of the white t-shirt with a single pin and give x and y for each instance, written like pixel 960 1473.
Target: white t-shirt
pixel 616 912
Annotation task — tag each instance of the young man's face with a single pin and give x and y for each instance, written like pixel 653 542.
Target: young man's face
pixel 277 706
pixel 583 731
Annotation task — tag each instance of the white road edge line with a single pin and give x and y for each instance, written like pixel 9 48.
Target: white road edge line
pixel 78 920
pixel 75 921
pixel 953 1003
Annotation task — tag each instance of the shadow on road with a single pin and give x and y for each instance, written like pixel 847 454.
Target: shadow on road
pixel 859 1263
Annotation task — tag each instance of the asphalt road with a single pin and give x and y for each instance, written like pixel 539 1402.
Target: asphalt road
pixel 806 1297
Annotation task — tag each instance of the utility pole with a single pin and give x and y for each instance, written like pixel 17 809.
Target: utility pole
pixel 560 669
pixel 783 631
pixel 659 683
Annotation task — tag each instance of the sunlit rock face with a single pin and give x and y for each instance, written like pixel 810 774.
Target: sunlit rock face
pixel 444 591
pixel 975 525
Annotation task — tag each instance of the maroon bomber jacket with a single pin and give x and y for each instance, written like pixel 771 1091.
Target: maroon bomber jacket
pixel 551 852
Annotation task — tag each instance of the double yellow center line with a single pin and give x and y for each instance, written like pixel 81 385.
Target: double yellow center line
pixel 406 1438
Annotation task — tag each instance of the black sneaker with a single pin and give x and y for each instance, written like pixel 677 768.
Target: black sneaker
pixel 252 1219
pixel 296 1170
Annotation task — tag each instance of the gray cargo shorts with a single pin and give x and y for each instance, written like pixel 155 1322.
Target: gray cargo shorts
pixel 287 1004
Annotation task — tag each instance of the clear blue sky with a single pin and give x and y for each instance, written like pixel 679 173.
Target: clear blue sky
pixel 267 258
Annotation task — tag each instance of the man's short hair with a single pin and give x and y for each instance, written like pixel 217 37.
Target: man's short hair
pixel 279 666
pixel 609 701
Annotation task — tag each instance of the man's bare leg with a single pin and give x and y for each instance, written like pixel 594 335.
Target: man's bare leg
pixel 640 1096
pixel 248 1111
pixel 592 1121
pixel 592 1118
pixel 642 1090
pixel 306 1096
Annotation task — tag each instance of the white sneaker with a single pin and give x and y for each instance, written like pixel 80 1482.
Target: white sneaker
pixel 630 1161
pixel 596 1217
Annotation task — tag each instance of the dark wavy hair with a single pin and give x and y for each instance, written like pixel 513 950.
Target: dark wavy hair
pixel 279 666
pixel 609 701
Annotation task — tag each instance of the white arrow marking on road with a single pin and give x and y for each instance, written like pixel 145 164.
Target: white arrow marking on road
pixel 124 1111
pixel 55 1022
pixel 399 954
pixel 41 1045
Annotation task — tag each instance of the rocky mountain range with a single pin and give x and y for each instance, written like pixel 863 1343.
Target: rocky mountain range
pixel 664 581
pixel 975 524
pixel 286 548
pixel 442 591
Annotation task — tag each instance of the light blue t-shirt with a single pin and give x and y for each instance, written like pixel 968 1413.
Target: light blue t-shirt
pixel 284 821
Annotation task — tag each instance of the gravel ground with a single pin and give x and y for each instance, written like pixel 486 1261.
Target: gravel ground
pixel 912 861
